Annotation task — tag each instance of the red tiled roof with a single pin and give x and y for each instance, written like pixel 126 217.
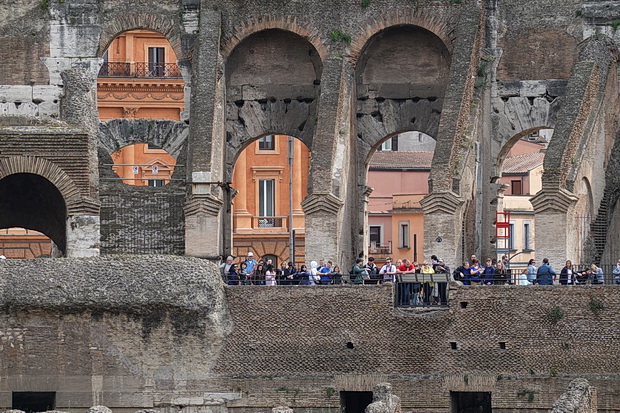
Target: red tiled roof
pixel 401 160
pixel 522 163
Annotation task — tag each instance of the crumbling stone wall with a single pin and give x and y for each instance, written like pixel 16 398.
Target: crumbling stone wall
pixel 125 333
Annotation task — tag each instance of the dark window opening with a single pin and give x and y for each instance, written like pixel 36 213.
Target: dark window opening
pixel 463 304
pixel 355 401
pixel 453 345
pixel 268 143
pixel 33 401
pixel 502 345
pixel 516 188
pixel 466 402
pixel 157 61
pixel 156 182
pixel 349 345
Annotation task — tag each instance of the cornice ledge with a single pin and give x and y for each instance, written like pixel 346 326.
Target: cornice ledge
pixel 203 205
pixel 83 206
pixel 445 201
pixel 322 202
pixel 553 200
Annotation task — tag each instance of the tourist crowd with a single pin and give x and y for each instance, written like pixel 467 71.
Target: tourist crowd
pixel 417 285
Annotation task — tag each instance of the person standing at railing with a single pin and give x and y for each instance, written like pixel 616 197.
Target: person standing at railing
pixel 325 273
pixel 616 272
pixel 303 275
pixel 567 274
pixel 545 275
pixel 463 273
pixel 233 276
pixel 442 286
pixel 427 286
pixel 359 272
pixel 314 273
pixel 597 275
pixel 250 262
pixel 476 272
pixel 501 274
pixel 523 278
pixel 243 273
pixel 405 289
pixel 388 271
pixel 488 274
pixel 270 275
pixel 531 271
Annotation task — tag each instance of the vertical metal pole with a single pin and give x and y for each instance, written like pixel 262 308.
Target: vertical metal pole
pixel 291 246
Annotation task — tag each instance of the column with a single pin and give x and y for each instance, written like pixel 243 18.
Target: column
pixel 209 198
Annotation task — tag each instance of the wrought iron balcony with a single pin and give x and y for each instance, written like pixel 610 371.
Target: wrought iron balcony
pixel 140 69
pixel 270 222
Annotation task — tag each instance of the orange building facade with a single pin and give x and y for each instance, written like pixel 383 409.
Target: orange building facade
pixel 261 208
pixel 140 78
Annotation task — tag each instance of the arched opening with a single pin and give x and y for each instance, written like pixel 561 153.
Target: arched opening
pixel 398 175
pixel 266 207
pixel 272 83
pixel 29 202
pixel 140 79
pixel 140 95
pixel 520 178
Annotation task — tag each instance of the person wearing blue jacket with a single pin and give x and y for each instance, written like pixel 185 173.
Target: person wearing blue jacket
pixel 545 274
pixel 488 275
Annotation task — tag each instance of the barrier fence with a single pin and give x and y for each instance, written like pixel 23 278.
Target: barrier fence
pixel 431 290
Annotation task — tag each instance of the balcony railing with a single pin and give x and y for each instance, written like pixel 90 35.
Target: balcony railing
pixel 269 222
pixel 140 69
pixel 380 249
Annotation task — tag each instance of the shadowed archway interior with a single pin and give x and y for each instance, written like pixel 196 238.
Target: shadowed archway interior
pixel 31 201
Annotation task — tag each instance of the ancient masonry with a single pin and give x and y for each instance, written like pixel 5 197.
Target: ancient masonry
pixel 341 76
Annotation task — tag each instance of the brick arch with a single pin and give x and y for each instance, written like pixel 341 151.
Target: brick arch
pixel 169 135
pixel 45 169
pixel 289 23
pixel 146 21
pixel 433 22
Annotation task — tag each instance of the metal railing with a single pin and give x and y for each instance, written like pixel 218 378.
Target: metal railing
pixel 376 248
pixel 140 69
pixel 269 222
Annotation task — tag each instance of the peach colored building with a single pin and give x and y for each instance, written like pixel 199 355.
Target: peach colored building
pixel 261 207
pixel 521 180
pixel 140 78
pixel 395 218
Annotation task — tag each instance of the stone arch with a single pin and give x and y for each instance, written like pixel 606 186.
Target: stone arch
pixel 166 134
pixel 507 146
pixel 436 23
pixel 391 98
pixel 288 23
pixel 45 169
pixel 31 201
pixel 522 113
pixel 147 21
pixel 272 87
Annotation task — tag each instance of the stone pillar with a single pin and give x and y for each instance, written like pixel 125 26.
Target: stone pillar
pixel 79 107
pixel 209 197
pixel 443 218
pixel 555 231
pixel 328 225
pixel 322 226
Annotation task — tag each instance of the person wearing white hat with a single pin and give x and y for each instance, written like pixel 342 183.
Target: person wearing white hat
pixel 250 262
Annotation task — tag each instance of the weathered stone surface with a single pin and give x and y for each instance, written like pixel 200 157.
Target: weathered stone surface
pixel 580 397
